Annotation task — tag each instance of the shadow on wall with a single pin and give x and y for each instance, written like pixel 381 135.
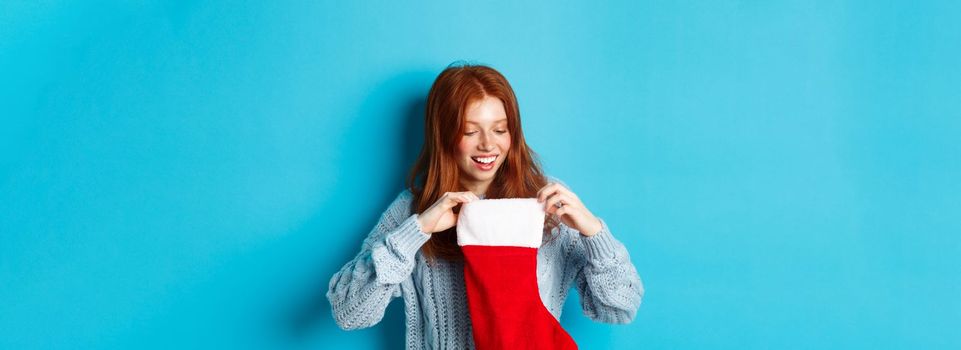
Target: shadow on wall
pixel 392 114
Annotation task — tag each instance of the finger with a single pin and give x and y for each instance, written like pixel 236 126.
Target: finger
pixel 465 197
pixel 551 204
pixel 570 194
pixel 561 211
pixel 563 189
pixel 541 191
pixel 469 197
pixel 453 199
pixel 546 191
pixel 443 201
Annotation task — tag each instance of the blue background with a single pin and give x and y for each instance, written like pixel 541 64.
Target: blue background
pixel 187 174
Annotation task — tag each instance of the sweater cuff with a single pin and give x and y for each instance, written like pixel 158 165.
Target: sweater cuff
pixel 602 245
pixel 408 237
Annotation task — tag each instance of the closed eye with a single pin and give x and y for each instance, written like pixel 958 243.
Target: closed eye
pixel 497 131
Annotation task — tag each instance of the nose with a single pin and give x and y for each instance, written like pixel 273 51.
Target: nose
pixel 484 144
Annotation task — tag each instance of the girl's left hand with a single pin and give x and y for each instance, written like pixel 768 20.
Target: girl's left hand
pixel 572 213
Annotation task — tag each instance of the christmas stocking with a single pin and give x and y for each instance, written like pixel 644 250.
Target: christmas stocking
pixel 499 238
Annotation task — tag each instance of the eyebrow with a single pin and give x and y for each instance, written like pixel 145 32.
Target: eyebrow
pixel 495 122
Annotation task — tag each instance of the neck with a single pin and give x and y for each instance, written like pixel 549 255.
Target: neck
pixel 478 188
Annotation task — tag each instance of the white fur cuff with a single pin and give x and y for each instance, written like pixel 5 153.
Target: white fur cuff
pixel 517 222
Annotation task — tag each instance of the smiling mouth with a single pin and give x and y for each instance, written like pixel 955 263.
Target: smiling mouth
pixel 485 160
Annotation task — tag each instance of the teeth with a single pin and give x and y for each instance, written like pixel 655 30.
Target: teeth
pixel 487 160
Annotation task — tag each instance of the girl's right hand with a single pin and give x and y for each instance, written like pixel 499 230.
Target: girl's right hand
pixel 440 216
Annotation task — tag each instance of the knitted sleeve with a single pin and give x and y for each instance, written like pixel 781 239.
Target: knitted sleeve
pixel 608 284
pixel 606 280
pixel 360 291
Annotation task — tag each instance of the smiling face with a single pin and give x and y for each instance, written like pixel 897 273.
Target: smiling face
pixel 484 145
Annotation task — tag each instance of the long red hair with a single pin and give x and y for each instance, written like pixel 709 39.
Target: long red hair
pixel 436 172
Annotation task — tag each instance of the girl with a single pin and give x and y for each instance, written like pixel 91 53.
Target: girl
pixel 474 149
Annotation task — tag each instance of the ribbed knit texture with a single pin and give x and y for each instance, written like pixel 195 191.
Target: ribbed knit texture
pixel 390 265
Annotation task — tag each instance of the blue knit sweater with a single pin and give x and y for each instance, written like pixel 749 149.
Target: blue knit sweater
pixel 391 265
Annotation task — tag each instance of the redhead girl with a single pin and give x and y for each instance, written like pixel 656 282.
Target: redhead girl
pixel 474 149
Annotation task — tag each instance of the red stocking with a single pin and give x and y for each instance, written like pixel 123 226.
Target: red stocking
pixel 499 238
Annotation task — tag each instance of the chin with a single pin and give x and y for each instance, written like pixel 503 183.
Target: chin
pixel 483 175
